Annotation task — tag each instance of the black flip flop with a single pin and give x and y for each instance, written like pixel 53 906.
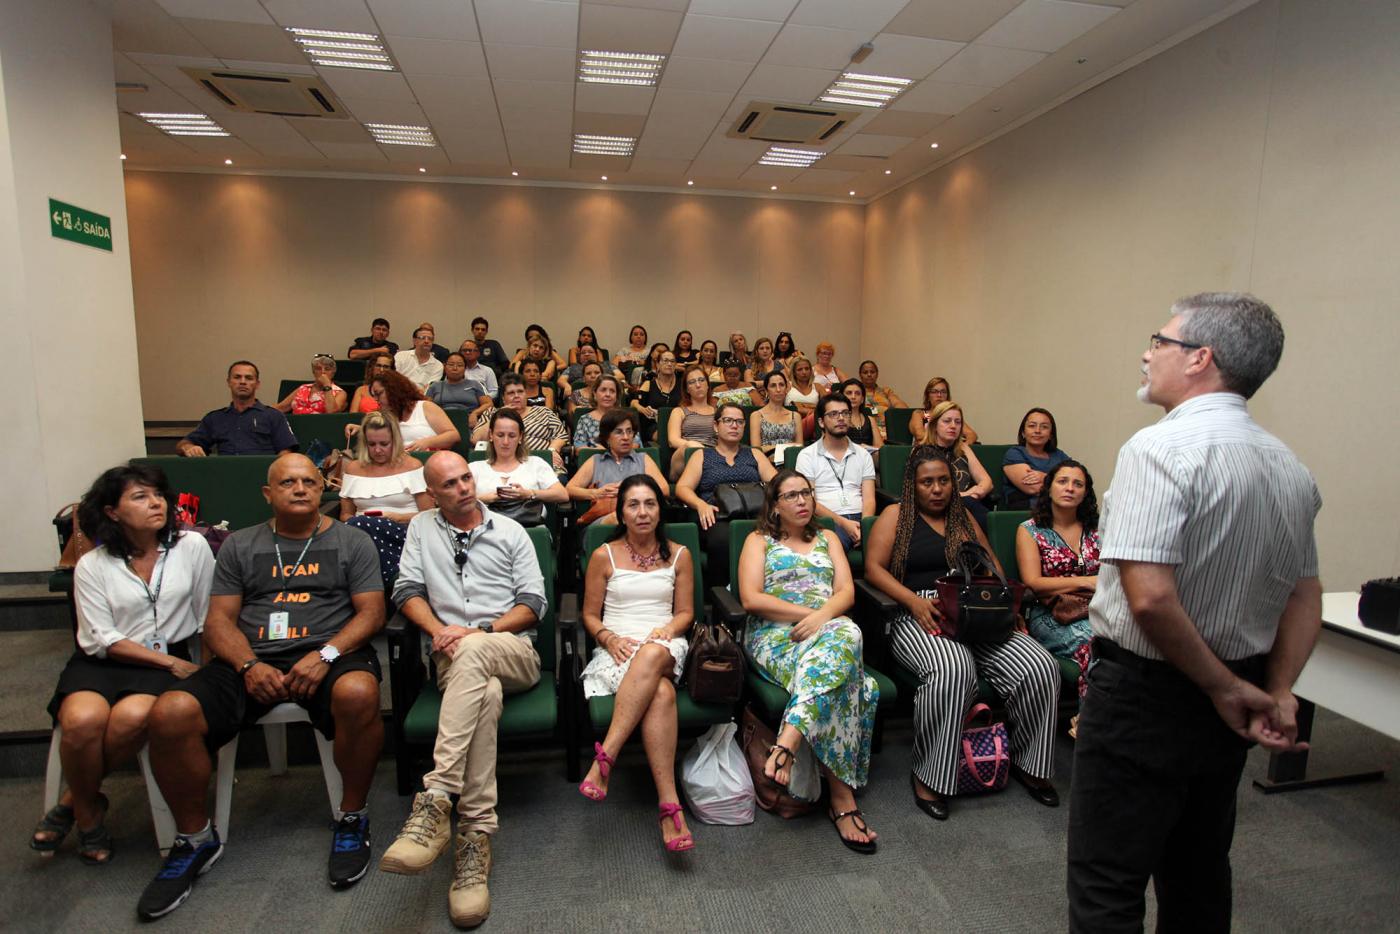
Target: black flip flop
pixel 858 819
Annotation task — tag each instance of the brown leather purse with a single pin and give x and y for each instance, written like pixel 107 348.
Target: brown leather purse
pixel 755 738
pixel 77 543
pixel 1069 607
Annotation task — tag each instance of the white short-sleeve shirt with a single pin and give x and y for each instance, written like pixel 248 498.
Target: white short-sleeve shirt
pixel 837 482
pixel 421 374
pixel 113 603
pixel 534 474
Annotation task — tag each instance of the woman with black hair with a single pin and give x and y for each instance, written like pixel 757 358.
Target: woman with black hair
pixel 1027 463
pixel 913 543
pixel 586 337
pixel 638 606
pixel 684 348
pixel 635 353
pixel 1057 553
pixel 139 595
pixel 784 349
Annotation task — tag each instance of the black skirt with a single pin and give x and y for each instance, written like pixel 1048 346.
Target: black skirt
pixel 110 678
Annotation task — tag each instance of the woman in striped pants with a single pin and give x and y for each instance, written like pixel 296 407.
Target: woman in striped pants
pixel 911 545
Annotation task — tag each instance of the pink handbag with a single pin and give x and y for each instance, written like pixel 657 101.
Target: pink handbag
pixel 986 755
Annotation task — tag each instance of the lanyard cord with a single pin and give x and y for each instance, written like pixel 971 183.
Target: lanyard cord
pixel 277 549
pixel 153 596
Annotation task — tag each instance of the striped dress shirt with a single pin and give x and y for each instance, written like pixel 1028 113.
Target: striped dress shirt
pixel 1208 490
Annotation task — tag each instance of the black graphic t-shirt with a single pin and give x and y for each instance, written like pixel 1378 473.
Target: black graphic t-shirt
pixel 313 593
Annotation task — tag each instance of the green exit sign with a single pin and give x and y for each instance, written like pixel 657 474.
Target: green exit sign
pixel 68 222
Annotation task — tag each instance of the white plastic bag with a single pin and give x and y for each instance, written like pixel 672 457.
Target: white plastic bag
pixel 715 778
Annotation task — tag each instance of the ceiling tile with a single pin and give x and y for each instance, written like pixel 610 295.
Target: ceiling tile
pixel 142 26
pixel 464 103
pixel 438 57
pixel 364 152
pixel 528 22
pixel 904 123
pixel 869 144
pixel 705 74
pixel 686 114
pixel 853 163
pixel 415 155
pixel 369 110
pixel 711 171
pixel 1045 25
pixel 246 41
pixel 609 124
pixel 426 19
pixel 770 174
pixel 613 98
pixel 721 148
pixel 867 16
pixel 677 6
pixel 534 95
pixel 784 82
pixel 986 65
pixel 627 29
pixel 330 131
pixel 532 62
pixel 907 56
pixel 520 122
pixel 957 20
pixel 379 85
pixel 270 136
pixel 938 97
pixel 825 176
pixel 465 145
pixel 674 167
pixel 652 146
pixel 323 14
pixel 814 47
pixel 234 11
pixel 775 11
pixel 715 37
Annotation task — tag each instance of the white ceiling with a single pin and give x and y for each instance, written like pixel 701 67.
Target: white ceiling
pixel 495 81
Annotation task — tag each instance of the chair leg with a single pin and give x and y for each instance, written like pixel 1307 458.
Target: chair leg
pixel 53 774
pixel 335 788
pixel 161 819
pixel 223 787
pixel 275 735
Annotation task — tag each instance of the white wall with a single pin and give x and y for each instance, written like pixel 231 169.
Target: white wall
pixel 1259 155
pixel 65 308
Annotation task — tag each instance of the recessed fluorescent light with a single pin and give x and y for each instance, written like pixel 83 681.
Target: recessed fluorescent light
pixel 641 69
pixel 184 124
pixel 395 134
pixel 863 90
pixel 792 158
pixel 332 48
pixel 595 145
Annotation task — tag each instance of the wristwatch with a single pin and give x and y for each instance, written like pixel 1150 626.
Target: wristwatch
pixel 329 654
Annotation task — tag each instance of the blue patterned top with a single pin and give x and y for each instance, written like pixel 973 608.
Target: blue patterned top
pixel 715 470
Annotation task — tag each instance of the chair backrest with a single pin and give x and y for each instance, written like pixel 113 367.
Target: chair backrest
pixel 790 457
pixel 461 420
pixel 1001 534
pixel 897 426
pixel 544 553
pixel 991 456
pixel 229 487
pixel 545 455
pixel 327 428
pixel 683 533
pixel 893 459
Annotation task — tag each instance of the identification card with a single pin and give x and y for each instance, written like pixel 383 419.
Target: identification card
pixel 156 645
pixel 277 624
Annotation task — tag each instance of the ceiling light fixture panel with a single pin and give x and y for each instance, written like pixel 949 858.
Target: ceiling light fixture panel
pixel 333 48
pixel 791 158
pixel 862 90
pixel 639 69
pixel 395 134
pixel 184 124
pixel 593 144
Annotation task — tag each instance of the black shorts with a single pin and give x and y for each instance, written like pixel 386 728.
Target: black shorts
pixel 228 707
pixel 110 678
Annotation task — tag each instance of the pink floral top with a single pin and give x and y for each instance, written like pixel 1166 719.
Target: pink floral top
pixel 309 400
pixel 1057 559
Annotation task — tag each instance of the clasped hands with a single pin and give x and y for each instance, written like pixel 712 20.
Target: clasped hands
pixel 270 686
pixel 1271 720
pixel 621 648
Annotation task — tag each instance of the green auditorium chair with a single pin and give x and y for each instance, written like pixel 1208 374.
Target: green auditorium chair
pixel 897 426
pixel 1001 533
pixel 890 471
pixel 229 488
pixel 991 456
pixel 327 428
pixel 543 712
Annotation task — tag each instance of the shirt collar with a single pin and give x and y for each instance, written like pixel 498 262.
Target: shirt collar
pixel 255 407
pixel 1208 402
pixel 824 451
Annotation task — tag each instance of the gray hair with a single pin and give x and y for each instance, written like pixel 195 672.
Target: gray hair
pixel 1244 335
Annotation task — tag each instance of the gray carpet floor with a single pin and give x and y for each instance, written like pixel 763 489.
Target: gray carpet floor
pixel 1319 860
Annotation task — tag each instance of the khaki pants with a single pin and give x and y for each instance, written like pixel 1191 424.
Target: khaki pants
pixel 473 682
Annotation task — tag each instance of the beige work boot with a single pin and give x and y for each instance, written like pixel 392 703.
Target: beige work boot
pixel 423 837
pixel 469 900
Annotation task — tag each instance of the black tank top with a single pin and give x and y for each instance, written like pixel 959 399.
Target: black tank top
pixel 927 561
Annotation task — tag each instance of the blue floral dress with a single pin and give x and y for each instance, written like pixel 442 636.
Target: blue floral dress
pixel 833 699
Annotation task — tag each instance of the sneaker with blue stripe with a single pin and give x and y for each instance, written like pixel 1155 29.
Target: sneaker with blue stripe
pixel 172 885
pixel 349 851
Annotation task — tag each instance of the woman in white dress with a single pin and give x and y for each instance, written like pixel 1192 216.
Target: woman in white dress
pixel 382 489
pixel 638 604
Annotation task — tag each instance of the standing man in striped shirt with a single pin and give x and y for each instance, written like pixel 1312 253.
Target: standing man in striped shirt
pixel 1207 608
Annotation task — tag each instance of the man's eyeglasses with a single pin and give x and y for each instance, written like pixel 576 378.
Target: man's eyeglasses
pixel 795 496
pixel 838 415
pixel 1157 340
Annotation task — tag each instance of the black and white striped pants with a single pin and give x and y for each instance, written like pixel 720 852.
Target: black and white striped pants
pixel 1019 670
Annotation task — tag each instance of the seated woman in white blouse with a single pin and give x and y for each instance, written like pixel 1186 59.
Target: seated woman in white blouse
pixel 382 489
pixel 139 595
pixel 512 481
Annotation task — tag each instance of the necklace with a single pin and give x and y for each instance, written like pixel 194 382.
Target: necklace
pixel 643 562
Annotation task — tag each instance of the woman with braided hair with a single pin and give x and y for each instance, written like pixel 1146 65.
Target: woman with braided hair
pixel 912 544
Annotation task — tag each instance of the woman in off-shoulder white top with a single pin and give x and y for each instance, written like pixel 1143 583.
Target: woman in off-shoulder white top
pixel 382 489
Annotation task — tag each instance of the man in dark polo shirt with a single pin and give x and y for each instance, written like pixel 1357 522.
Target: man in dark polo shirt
pixel 363 348
pixel 293 607
pixel 492 353
pixel 245 426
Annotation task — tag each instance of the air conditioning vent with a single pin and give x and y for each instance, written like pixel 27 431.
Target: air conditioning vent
pixel 789 123
pixel 280 95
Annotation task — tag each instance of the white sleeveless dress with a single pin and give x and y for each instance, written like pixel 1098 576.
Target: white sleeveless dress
pixel 636 602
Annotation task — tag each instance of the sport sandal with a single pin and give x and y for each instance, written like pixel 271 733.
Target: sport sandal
pixel 95 842
pixel 58 821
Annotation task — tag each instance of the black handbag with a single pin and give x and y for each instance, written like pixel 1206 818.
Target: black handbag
pixel 714 666
pixel 739 500
pixel 1379 607
pixel 978 607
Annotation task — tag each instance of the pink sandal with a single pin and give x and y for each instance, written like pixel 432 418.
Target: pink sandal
pixel 684 841
pixel 605 763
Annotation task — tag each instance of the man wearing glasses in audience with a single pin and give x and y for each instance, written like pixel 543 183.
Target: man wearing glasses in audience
pixel 483 376
pixel 419 364
pixel 842 474
pixel 470 580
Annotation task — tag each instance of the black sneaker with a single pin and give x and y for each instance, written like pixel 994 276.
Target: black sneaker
pixel 349 851
pixel 173 883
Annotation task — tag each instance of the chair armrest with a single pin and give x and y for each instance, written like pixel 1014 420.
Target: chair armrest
pixel 565 508
pixel 883 499
pixel 874 598
pixel 727 606
pixel 406 669
pixel 571 634
pixel 875 615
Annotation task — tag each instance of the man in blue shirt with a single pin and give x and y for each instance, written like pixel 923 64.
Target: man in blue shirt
pixel 364 348
pixel 246 426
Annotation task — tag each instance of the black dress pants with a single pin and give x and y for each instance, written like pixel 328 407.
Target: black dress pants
pixel 1153 796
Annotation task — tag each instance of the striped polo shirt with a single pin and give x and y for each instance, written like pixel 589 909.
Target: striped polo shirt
pixel 1208 490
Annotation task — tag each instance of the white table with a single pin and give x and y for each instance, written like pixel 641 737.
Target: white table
pixel 1354 671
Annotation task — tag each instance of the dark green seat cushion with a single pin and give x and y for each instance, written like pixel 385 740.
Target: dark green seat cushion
pixel 689 714
pixel 532 711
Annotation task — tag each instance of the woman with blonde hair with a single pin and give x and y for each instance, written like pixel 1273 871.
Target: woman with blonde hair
pixel 945 431
pixel 826 374
pixel 382 488
pixel 936 392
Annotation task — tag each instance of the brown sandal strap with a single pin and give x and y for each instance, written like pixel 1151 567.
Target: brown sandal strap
pixel 785 755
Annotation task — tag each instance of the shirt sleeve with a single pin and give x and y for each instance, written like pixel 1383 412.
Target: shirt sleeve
pixel 97 625
pixel 529 580
pixel 434 392
pixel 282 437
pixel 410 581
pixel 560 432
pixel 228 570
pixel 203 434
pixel 1014 455
pixel 203 571
pixel 806 464
pixel 491 384
pixel 867 465
pixel 362 562
pixel 541 475
pixel 1147 506
pixel 1310 568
